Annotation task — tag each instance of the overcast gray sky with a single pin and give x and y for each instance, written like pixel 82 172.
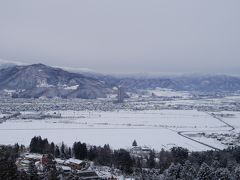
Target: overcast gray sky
pixel 123 35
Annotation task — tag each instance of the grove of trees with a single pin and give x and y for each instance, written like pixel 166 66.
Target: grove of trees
pixel 177 163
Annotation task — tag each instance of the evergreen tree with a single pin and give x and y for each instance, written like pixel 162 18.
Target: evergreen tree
pixel 237 172
pixel 165 159
pixel 222 174
pixel 37 145
pixel 139 163
pixel 83 151
pixel 76 150
pixel 8 168
pixel 205 172
pixel 151 160
pixel 16 149
pixel 69 152
pixel 104 156
pixel 32 171
pixel 215 165
pixel 134 143
pixel 80 150
pixel 52 148
pixel 45 148
pixel 173 172
pixel 179 154
pixel 34 145
pixel 123 161
pixel 92 153
pixel 22 148
pixel 57 152
pixel 63 154
pixel 188 172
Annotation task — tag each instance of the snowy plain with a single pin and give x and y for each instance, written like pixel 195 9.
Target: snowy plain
pixel 154 128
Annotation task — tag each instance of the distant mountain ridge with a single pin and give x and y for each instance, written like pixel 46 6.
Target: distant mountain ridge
pixel 208 83
pixel 39 80
pixel 201 83
pixel 215 83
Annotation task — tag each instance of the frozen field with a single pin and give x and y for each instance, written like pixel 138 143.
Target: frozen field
pixel 160 118
pixel 234 120
pixel 156 129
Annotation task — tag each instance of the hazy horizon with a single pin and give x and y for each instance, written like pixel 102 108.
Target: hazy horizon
pixel 123 74
pixel 123 36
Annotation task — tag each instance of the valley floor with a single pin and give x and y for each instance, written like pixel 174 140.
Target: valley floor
pixel 155 128
pixel 167 119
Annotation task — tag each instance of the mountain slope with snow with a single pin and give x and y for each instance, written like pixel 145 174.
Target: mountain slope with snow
pixel 40 80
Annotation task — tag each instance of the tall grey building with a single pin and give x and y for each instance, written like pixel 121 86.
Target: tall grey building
pixel 120 96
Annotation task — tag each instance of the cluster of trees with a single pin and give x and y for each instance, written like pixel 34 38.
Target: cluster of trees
pixel 42 146
pixel 177 163
pixel 180 164
pixel 80 150
pixel 189 171
pixel 39 145
pixel 8 168
pixel 100 155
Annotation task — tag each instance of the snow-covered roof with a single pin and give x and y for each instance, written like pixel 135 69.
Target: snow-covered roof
pixel 72 160
pixel 66 168
pixel 145 148
pixel 25 161
pixel 33 156
pixel 59 161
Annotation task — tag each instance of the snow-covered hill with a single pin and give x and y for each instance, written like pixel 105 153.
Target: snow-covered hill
pixel 40 80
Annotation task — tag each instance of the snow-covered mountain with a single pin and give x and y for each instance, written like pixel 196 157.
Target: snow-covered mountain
pixel 40 80
pixel 37 80
pixel 208 83
pixel 201 83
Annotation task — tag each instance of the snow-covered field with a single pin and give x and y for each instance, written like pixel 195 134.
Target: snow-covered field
pixel 234 120
pixel 156 128
pixel 161 92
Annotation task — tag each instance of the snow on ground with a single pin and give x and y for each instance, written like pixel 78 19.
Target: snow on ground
pixel 156 129
pixel 2 115
pixel 160 118
pixel 9 91
pixel 232 120
pixel 43 83
pixel 117 138
pixel 211 141
pixel 162 92
pixel 71 87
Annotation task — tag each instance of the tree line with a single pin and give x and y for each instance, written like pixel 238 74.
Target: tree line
pixel 176 163
pixel 105 156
